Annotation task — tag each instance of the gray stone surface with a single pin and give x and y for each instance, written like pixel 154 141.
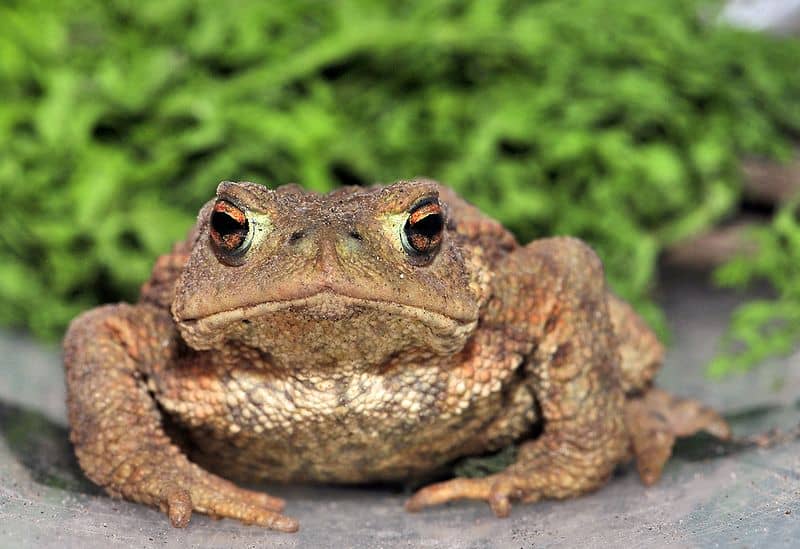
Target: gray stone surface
pixel 711 495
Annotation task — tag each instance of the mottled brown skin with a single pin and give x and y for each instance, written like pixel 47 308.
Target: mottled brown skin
pixel 326 348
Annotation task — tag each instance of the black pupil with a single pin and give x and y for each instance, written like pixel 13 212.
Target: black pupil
pixel 429 226
pixel 225 224
pixel 423 229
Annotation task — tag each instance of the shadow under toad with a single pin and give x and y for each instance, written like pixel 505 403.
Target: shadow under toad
pixel 42 446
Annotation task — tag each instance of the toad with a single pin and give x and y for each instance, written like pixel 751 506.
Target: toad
pixel 368 334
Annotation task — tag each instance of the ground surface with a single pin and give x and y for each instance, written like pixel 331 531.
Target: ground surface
pixel 710 495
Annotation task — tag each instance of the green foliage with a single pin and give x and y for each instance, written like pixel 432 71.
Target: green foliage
pixel 764 327
pixel 621 122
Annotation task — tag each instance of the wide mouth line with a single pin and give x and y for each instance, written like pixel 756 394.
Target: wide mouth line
pixel 259 309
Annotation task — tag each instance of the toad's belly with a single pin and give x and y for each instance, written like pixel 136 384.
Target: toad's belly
pixel 358 428
pixel 358 449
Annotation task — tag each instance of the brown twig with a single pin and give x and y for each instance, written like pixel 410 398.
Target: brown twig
pixel 711 249
pixel 765 182
pixel 768 182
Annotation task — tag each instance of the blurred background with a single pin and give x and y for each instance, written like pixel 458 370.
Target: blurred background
pixel 664 133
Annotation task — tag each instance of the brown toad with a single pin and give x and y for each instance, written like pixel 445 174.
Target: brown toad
pixel 366 334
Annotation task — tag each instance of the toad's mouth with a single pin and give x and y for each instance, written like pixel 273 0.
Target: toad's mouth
pixel 325 304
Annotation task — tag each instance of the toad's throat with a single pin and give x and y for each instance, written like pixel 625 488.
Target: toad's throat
pixel 330 328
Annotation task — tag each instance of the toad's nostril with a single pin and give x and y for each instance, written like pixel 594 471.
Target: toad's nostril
pixel 297 235
pixel 355 235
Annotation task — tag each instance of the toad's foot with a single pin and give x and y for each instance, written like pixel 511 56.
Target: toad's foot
pixel 497 490
pixel 216 497
pixel 656 419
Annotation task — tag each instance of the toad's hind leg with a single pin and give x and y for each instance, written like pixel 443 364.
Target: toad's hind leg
pixel 640 352
pixel 656 419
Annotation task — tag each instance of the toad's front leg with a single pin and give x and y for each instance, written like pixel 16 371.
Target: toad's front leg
pixel 116 426
pixel 552 293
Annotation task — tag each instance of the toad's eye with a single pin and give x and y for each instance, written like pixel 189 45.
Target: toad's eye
pixel 422 232
pixel 229 229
